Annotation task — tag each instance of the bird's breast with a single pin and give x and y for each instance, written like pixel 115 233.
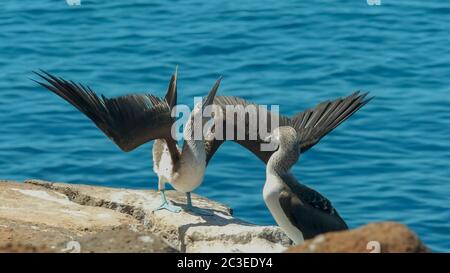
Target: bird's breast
pixel 271 194
pixel 188 176
pixel 272 188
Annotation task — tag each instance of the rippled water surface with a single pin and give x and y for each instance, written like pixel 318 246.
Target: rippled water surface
pixel 388 162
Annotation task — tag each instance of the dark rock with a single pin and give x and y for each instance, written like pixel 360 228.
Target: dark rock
pixel 386 237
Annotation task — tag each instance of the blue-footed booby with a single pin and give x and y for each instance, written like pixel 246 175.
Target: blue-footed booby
pixel 300 211
pixel 132 120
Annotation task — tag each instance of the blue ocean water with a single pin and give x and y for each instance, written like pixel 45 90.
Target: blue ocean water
pixel 388 162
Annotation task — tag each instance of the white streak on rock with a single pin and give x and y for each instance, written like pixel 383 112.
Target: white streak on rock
pixel 75 213
pixel 104 216
pixel 146 239
pixel 45 196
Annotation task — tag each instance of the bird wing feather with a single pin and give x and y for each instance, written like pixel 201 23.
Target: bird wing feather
pixel 311 125
pixel 129 121
pixel 309 211
pixel 253 145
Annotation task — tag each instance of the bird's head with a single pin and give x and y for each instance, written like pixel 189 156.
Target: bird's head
pixel 288 152
pixel 284 136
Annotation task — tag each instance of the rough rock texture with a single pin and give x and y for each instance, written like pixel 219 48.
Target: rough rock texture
pixel 56 217
pixel 36 219
pixel 18 248
pixel 40 216
pixel 386 237
pixel 123 240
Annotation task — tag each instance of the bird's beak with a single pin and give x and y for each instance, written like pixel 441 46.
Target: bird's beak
pixel 269 144
pixel 267 139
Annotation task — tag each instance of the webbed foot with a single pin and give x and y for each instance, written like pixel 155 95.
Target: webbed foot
pixel 167 205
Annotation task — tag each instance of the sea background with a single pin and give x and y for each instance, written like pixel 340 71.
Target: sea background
pixel 389 162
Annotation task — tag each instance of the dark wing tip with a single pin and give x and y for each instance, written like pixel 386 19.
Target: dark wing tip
pixel 53 80
pixel 364 99
pixel 44 74
pixel 41 73
pixel 171 94
pixel 212 93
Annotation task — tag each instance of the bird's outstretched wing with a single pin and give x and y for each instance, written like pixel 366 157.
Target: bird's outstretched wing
pixel 311 125
pixel 129 121
pixel 315 123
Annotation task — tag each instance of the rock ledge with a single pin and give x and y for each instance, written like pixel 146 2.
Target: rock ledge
pixel 57 216
pixel 41 216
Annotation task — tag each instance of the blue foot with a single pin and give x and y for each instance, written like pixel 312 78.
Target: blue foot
pixel 166 204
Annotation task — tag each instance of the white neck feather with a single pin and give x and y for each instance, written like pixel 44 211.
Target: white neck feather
pixel 190 172
pixel 193 150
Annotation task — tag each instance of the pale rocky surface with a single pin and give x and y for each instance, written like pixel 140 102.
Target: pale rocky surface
pixel 44 215
pixel 18 248
pixel 40 216
pixel 385 237
pixel 36 219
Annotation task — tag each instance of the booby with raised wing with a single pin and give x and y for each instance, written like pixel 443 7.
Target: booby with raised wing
pixel 300 211
pixel 311 125
pixel 132 120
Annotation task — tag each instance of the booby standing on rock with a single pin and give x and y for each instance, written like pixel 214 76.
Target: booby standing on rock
pixel 187 172
pixel 132 120
pixel 300 211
